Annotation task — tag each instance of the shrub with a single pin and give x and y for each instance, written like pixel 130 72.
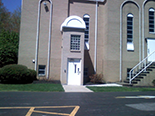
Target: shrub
pixel 153 82
pixel 96 78
pixel 16 74
pixel 33 74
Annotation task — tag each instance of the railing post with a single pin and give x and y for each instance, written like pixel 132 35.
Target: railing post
pixel 130 77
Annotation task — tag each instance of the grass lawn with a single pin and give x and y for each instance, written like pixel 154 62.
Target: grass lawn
pixel 47 87
pixel 121 89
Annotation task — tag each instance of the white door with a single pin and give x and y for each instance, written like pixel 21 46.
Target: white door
pixel 74 72
pixel 151 48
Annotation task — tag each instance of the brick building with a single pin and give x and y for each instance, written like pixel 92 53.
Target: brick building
pixel 69 40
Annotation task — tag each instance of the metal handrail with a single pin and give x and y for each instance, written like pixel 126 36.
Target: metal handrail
pixel 144 61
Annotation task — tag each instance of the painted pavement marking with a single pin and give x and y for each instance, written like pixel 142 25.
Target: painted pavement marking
pixel 133 97
pixel 143 106
pixel 32 110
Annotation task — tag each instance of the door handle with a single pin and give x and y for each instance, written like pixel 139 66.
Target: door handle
pixel 148 51
pixel 79 71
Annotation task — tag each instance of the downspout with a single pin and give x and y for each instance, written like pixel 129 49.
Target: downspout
pixel 96 22
pixel 121 43
pixel 140 31
pixel 49 43
pixel 143 25
pixel 37 37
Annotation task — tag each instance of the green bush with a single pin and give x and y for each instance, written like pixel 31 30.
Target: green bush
pixel 97 78
pixel 33 74
pixel 17 74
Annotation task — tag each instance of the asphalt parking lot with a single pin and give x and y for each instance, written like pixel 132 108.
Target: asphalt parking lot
pixel 77 104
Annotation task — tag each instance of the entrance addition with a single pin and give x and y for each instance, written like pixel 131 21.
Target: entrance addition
pixel 74 72
pixel 151 48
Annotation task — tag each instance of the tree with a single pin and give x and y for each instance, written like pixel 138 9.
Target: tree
pixel 4 17
pixel 9 35
pixel 8 47
pixel 15 20
pixel 9 21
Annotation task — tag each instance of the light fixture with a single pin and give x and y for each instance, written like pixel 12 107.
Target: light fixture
pixel 33 61
pixel 45 4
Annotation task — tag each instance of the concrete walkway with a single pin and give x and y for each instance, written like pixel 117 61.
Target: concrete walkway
pixel 80 88
pixel 75 88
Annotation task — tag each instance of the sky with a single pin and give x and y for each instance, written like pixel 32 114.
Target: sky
pixel 11 5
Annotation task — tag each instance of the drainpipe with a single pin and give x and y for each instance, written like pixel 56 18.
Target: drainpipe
pixel 37 37
pixel 49 43
pixel 96 22
pixel 120 76
pixel 143 26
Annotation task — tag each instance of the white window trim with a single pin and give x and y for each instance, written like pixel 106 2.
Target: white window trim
pixel 73 46
pixel 130 45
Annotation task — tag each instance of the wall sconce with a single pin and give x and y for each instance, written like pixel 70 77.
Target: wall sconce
pixel 46 7
pixel 33 61
pixel 45 4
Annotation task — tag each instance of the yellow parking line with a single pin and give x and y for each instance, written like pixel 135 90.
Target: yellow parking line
pixel 55 106
pixel 120 97
pixel 74 111
pixel 15 107
pixel 30 111
pixel 43 112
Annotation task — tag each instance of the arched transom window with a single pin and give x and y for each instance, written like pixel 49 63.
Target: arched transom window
pixel 130 45
pixel 86 18
pixel 130 27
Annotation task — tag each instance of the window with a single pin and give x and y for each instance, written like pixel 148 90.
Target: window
pixel 151 20
pixel 41 70
pixel 130 46
pixel 128 72
pixel 86 18
pixel 75 42
pixel 130 28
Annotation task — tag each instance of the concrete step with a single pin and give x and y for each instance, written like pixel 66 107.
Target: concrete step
pixel 149 69
pixel 152 67
pixel 133 82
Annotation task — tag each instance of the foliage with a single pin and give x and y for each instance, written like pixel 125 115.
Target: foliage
pixel 15 20
pixel 4 17
pixel 9 21
pixel 96 78
pixel 8 47
pixel 9 35
pixel 33 74
pixel 16 74
pixel 153 82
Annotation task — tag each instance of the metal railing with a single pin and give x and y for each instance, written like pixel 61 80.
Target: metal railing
pixel 140 67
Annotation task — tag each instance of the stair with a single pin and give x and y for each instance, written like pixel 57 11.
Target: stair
pixel 143 79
